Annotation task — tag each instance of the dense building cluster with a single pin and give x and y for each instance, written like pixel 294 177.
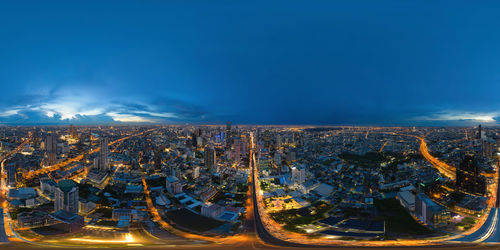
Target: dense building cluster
pixel 344 182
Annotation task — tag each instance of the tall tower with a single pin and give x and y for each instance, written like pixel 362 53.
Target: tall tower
pixel 72 131
pixel 479 131
pixel 11 175
pixel 51 149
pixel 3 235
pixel 210 157
pixel 103 154
pixel 229 136
pixel 469 178
pixel 157 159
pixel 66 196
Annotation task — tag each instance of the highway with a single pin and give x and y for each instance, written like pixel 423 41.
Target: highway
pixel 485 232
pixel 4 189
pixel 256 232
pixel 31 174
pixel 441 166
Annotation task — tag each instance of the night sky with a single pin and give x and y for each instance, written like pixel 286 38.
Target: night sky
pixel 347 62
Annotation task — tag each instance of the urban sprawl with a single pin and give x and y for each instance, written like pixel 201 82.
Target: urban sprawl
pixel 229 184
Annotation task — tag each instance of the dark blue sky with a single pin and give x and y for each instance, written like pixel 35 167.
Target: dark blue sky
pixel 273 62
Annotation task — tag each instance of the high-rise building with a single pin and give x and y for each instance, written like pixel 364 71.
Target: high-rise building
pixel 72 131
pixel 487 147
pixel 210 157
pixel 194 139
pixel 11 175
pixel 66 196
pixel 479 132
pixel 51 149
pixel 3 235
pixel 157 158
pixel 430 212
pixel 236 150
pixel 298 175
pixel 102 163
pixel 469 178
pixel 229 136
pixel 196 172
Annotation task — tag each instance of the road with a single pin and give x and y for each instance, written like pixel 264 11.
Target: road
pixel 441 166
pixel 487 232
pixel 31 174
pixel 4 189
pixel 256 234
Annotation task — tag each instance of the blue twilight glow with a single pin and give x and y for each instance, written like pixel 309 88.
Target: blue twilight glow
pixel 276 62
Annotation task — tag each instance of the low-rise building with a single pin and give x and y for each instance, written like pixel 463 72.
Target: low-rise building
pixel 212 210
pixel 407 200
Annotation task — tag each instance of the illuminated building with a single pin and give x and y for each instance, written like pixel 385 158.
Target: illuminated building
pixel 33 219
pixel 72 130
pixel 66 196
pixel 469 178
pixel 86 207
pixel 210 157
pixel 68 222
pixel 102 162
pixel 212 210
pixel 3 235
pixel 48 186
pixel 298 174
pixel 173 185
pixel 430 212
pixel 229 137
pixel 11 175
pixel 97 178
pixel 196 172
pixel 407 200
pixel 51 149
pixel 157 159
pixel 487 147
pixel 479 132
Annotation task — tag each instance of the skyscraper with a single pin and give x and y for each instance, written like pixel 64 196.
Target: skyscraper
pixel 51 149
pixel 210 157
pixel 469 178
pixel 72 131
pixel 487 146
pixel 298 174
pixel 157 159
pixel 103 162
pixel 66 196
pixel 11 175
pixel 3 235
pixel 229 136
pixel 479 132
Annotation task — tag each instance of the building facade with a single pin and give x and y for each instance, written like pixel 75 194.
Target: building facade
pixel 66 196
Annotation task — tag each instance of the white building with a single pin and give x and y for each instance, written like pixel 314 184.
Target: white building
pixel 173 185
pixel 66 196
pixel 196 172
pixel 298 175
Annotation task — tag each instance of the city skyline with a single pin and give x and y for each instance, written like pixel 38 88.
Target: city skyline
pixel 327 63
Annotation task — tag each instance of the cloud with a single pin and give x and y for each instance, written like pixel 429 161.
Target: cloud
pixel 457 117
pixel 81 107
